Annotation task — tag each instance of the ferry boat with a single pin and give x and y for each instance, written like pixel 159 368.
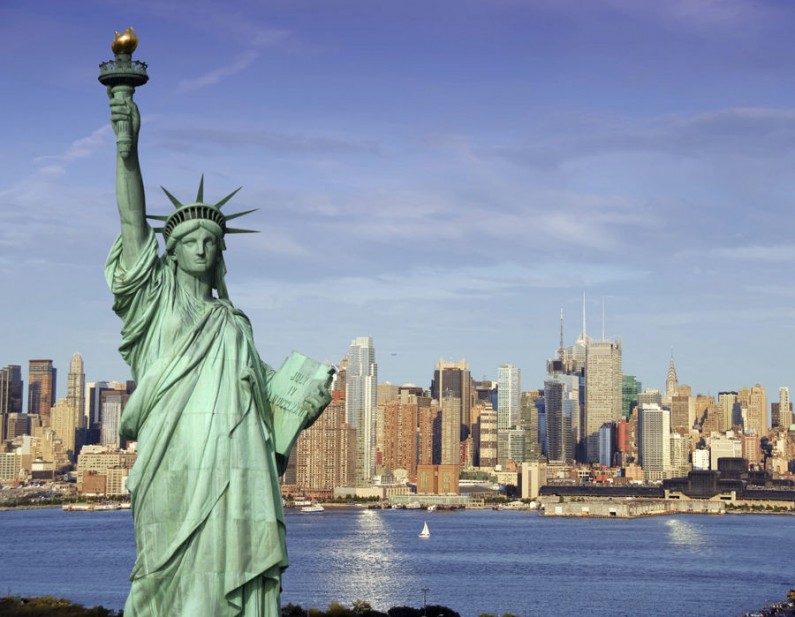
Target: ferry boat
pixel 313 508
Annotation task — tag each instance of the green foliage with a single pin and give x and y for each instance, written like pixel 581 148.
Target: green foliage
pixel 293 610
pixel 404 611
pixel 360 607
pixel 335 609
pixel 441 611
pixel 48 606
pixel 487 615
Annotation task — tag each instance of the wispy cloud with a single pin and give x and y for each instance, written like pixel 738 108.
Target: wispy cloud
pixel 217 75
pixel 55 164
pixel 748 254
pixel 742 132
pixel 291 143
pixel 430 284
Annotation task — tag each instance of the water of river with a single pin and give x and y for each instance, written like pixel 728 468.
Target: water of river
pixel 474 561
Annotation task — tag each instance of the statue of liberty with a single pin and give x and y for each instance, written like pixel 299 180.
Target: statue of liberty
pixel 214 424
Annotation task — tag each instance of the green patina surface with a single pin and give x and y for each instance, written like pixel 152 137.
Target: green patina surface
pixel 214 424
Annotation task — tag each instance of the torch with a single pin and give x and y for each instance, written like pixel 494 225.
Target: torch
pixel 121 75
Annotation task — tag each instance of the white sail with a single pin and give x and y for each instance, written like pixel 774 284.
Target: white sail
pixel 425 533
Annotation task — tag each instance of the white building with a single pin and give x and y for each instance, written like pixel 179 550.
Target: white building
pixel 724 446
pixel 361 397
pixel 509 390
pixel 655 451
pixel 700 459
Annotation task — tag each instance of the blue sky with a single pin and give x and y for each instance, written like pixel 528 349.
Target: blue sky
pixel 441 176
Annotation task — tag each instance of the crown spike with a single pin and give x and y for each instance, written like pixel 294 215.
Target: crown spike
pixel 229 230
pixel 221 203
pixel 200 194
pixel 157 217
pixel 173 199
pixel 229 217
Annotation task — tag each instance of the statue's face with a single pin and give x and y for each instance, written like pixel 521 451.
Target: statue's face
pixel 196 252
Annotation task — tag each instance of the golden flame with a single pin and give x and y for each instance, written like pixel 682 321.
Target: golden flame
pixel 125 43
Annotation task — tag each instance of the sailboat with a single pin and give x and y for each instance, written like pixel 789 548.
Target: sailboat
pixel 425 533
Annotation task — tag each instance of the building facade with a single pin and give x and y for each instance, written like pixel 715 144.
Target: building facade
pixel 41 388
pixel 603 401
pixel 361 400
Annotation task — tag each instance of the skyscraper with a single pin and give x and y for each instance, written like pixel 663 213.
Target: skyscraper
pixel 757 411
pixel 454 380
pixel 41 388
pixel 671 383
pixel 400 433
pixel 784 408
pixel 528 422
pixel 630 388
pixel 487 432
pixel 10 396
pixel 655 449
pixel 112 406
pixel 603 381
pixel 451 429
pixel 325 453
pixel 361 396
pixel 509 389
pixel 730 408
pixel 76 388
pixel 683 410
pixel 65 420
pixel 562 404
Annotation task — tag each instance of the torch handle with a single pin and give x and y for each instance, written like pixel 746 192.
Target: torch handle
pixel 123 137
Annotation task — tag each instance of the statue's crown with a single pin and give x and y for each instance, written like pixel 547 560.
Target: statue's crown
pixel 199 211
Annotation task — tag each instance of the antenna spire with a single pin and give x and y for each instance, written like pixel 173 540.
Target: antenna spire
pixel 603 318
pixel 584 333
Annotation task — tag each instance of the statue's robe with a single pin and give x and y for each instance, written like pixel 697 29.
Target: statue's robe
pixel 209 524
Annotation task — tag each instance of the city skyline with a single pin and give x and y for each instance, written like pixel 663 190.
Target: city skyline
pixel 440 178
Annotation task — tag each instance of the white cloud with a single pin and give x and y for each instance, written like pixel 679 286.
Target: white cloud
pixel 749 254
pixel 216 75
pixel 55 164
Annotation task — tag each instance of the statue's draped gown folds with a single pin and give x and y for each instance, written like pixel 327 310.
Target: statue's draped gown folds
pixel 205 493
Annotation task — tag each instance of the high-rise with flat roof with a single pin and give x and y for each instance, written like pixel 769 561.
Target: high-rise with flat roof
pixel 630 388
pixel 757 411
pixel 325 453
pixel 487 432
pixel 784 416
pixel 400 433
pixel 451 429
pixel 683 410
pixel 41 388
pixel 603 381
pixel 730 408
pixel 454 380
pixel 10 396
pixel 561 405
pixel 655 448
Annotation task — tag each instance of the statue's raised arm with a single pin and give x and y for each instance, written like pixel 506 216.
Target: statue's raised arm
pixel 125 118
pixel 121 76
